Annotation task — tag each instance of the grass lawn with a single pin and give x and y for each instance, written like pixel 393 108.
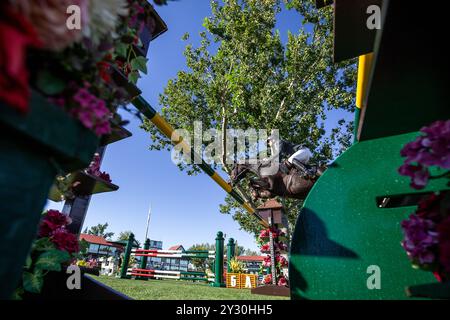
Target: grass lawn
pixel 177 290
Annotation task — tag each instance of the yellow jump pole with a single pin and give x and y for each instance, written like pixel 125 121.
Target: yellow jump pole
pixel 364 68
pixel 165 128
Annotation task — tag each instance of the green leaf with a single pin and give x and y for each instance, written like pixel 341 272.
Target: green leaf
pixel 49 83
pixel 28 262
pixel 51 260
pixel 133 77
pixel 32 282
pixel 17 295
pixel 43 244
pixel 139 63
pixel 121 50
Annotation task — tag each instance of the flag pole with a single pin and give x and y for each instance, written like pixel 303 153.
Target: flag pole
pixel 148 221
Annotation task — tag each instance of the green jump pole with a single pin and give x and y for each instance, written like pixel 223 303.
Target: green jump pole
pixel 144 259
pixel 218 263
pixel 126 258
pixel 231 245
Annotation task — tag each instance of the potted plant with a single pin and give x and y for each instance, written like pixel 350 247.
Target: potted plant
pixel 427 230
pixel 57 100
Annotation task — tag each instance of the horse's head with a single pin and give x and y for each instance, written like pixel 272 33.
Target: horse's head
pixel 238 173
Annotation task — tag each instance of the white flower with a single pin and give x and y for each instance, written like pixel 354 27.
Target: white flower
pixel 104 17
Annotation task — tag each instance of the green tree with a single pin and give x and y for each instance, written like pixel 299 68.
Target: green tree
pixel 202 264
pixel 124 235
pixel 249 252
pixel 243 76
pixel 100 230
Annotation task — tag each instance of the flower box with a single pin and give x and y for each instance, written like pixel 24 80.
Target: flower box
pixel 89 184
pixel 33 148
pixel 55 288
pixel 430 290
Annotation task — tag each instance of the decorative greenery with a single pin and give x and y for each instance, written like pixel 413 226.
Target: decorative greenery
pixel 54 248
pixel 99 230
pixel 280 261
pixel 236 266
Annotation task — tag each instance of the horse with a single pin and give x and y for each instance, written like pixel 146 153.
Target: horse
pixel 285 183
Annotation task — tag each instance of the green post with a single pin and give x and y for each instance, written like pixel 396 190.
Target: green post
pixel 126 258
pixel 143 264
pixel 218 282
pixel 230 252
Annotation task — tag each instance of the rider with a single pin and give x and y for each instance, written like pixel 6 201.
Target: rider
pixel 292 155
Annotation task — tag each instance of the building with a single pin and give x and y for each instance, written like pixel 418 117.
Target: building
pixel 169 264
pixel 100 247
pixel 156 245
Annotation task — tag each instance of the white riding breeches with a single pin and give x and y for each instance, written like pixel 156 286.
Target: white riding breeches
pixel 303 155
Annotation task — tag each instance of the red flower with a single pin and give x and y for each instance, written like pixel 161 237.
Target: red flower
pixel 265 248
pixel 16 36
pixel 267 279
pixel 65 241
pixel 52 221
pixel 282 282
pixel 104 71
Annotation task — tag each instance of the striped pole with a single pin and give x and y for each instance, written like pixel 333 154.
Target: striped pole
pixel 165 128
pixel 144 259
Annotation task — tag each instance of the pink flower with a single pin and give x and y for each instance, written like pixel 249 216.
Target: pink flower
pixel 264 234
pixel 420 240
pixel 281 261
pixel 91 111
pixel 265 248
pixel 94 169
pixel 430 149
pixel 282 282
pixel 267 262
pixel 419 175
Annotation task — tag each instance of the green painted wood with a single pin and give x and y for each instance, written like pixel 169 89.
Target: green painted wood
pixel 25 178
pixel 218 262
pixel 231 247
pixel 409 86
pixel 53 131
pixel 340 231
pixel 32 148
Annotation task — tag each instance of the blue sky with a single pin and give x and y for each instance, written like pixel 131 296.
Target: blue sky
pixel 184 208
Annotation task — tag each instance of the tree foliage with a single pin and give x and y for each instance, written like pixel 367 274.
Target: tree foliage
pixel 243 76
pixel 100 230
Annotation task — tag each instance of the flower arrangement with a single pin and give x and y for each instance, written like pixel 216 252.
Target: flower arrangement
pixel 280 261
pixel 89 263
pixel 427 230
pixel 236 266
pixel 53 247
pixel 72 68
pixel 432 148
pixel 94 169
